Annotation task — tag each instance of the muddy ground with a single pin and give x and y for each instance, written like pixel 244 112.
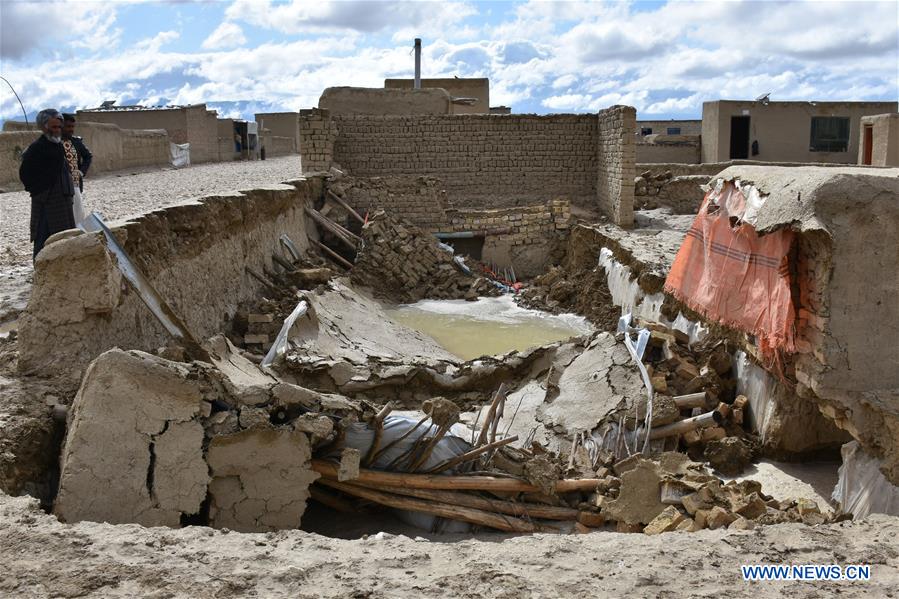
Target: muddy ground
pixel 41 557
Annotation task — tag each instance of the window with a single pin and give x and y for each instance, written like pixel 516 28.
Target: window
pixel 646 131
pixel 673 130
pixel 829 134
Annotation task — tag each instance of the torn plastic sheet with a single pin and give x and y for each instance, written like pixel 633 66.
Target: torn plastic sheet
pixel 760 388
pixel 280 345
pixel 626 293
pixel 862 488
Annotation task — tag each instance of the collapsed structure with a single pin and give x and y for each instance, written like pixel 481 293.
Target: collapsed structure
pixel 258 375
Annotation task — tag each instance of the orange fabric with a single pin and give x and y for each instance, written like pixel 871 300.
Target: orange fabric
pixel 734 276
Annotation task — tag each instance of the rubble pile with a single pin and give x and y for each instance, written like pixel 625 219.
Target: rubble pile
pixel 683 194
pixel 404 264
pixel 581 290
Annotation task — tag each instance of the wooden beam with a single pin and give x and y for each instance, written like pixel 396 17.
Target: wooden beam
pixel 454 512
pixel 340 201
pixel 333 255
pixel 452 483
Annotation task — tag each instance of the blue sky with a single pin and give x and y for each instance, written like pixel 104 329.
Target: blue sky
pixel 243 56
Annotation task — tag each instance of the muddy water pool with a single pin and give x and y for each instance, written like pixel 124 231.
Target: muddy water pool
pixel 488 326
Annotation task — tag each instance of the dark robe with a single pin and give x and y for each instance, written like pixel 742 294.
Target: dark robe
pixel 45 175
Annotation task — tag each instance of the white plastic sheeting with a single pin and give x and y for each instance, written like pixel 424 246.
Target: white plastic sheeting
pixel 626 292
pixel 759 387
pixel 862 488
pixel 360 436
pixel 180 154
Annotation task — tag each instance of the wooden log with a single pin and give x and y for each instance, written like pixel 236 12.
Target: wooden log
pixel 340 201
pixel 693 400
pixel 470 455
pixel 262 279
pixel 530 510
pixel 333 255
pixel 688 424
pixel 379 432
pixel 454 512
pixel 328 470
pixel 331 500
pixel 724 410
pixel 491 414
pixel 339 232
pixel 284 263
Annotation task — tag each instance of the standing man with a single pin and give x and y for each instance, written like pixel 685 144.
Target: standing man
pixel 78 158
pixel 45 174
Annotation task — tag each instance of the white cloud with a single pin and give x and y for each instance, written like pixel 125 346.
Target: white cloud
pixel 226 35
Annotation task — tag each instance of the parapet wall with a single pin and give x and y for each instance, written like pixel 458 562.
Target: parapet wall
pixel 616 163
pixel 195 254
pixel 113 148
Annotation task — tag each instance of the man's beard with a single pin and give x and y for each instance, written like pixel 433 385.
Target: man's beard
pixel 55 140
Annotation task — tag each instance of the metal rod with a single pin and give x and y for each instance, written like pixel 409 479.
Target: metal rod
pixel 417 82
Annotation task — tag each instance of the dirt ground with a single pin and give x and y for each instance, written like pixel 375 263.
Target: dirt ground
pixel 42 558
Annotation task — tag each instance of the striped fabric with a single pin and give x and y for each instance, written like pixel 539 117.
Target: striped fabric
pixel 728 273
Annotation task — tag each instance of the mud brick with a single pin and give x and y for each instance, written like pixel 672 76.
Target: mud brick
pixel 667 521
pixel 718 517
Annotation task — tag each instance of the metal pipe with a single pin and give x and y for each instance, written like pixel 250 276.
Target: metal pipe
pixel 460 235
pixel 417 84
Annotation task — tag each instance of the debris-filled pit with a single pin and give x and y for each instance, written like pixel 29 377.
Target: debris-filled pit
pixel 285 387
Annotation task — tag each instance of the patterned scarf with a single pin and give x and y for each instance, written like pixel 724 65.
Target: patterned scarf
pixel 72 159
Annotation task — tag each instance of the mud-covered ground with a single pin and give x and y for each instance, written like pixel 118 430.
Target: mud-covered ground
pixel 40 557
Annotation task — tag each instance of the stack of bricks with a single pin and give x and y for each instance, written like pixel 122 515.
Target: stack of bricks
pixel 420 199
pixel 318 131
pixel 617 163
pixel 262 328
pixel 527 225
pixel 483 160
pixel 406 264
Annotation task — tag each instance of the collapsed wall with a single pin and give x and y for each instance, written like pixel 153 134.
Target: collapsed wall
pixel 195 254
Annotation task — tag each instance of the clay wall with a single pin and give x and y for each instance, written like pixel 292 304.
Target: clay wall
pixel 782 129
pixel 281 124
pixel 195 254
pixel 483 160
pixel 318 132
pixel 364 100
pixel 112 148
pixel 478 88
pixel 662 148
pixel 885 139
pixel 190 124
pixel 687 127
pixel 616 163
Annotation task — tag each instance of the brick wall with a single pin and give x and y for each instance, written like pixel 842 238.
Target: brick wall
pixel 419 199
pixel 616 163
pixel 484 160
pixel 317 135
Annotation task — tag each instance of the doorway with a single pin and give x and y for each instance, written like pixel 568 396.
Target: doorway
pixel 739 137
pixel 868 155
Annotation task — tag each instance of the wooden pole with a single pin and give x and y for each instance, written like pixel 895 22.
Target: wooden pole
pixel 350 239
pixel 530 510
pixel 693 400
pixel 491 414
pixel 452 483
pixel 688 424
pixel 470 455
pixel 454 512
pixel 345 206
pixel 333 255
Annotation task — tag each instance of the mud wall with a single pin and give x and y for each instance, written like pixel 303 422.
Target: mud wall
pixel 419 199
pixel 195 254
pixel 317 135
pixel 113 149
pixel 495 161
pixel 363 100
pixel 616 163
pixel 684 151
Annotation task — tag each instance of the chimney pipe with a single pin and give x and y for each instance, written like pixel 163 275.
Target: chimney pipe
pixel 417 84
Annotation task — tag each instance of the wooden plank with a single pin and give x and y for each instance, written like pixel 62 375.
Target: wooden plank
pixel 340 201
